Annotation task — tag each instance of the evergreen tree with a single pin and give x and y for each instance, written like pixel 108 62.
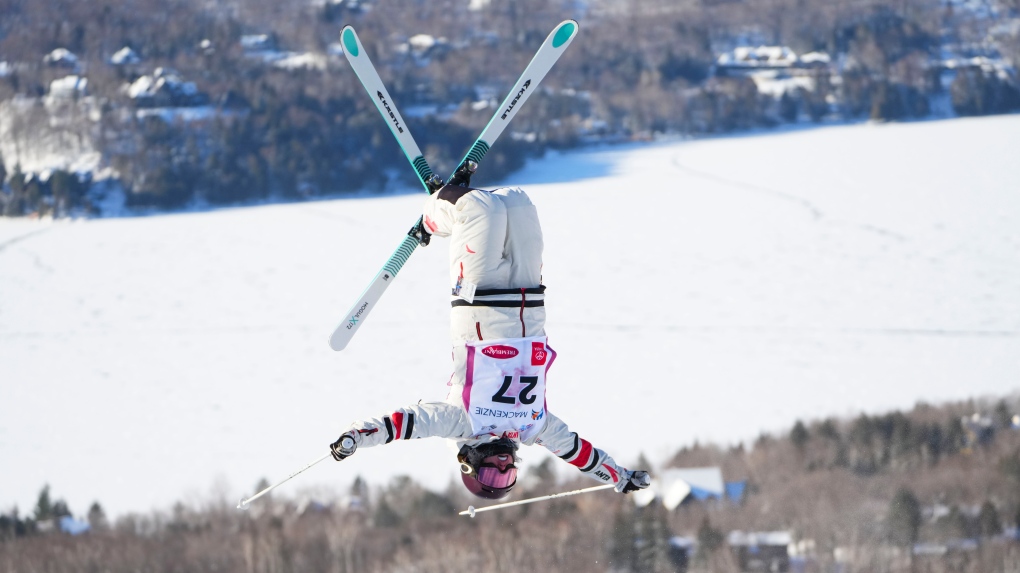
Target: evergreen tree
pixel 33 195
pixel 97 517
pixel 799 435
pixel 989 523
pixel 651 540
pixel 710 539
pixel 621 547
pixel 385 516
pixel 933 441
pixel 15 206
pixel 60 509
pixel 1003 417
pixel 1010 465
pixel 44 506
pixel 954 437
pixel 904 518
pixel 828 430
pixel 67 191
pixel 789 107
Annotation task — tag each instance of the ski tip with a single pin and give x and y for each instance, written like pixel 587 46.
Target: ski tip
pixel 349 39
pixel 338 343
pixel 564 33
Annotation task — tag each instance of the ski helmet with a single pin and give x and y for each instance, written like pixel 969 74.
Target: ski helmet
pixel 488 470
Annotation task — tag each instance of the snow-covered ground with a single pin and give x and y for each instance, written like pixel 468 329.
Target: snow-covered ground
pixel 703 290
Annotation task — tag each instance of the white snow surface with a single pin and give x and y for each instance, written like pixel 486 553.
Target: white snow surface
pixel 702 290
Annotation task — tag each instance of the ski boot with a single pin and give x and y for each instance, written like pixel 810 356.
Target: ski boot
pixel 420 233
pixel 434 183
pixel 462 177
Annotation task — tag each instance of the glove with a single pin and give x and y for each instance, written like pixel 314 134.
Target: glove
pixel 344 447
pixel 633 481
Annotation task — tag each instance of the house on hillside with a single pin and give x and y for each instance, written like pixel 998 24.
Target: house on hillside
pixel 791 82
pixel 423 47
pixel 258 43
pixel 61 58
pixel 674 486
pixel 165 88
pixel 978 429
pixel 765 551
pixel 124 57
pixel 745 59
pixel 68 87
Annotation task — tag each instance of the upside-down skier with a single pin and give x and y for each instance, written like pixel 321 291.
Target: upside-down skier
pixel 496 400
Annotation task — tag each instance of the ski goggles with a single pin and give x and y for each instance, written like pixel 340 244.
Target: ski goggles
pixel 491 476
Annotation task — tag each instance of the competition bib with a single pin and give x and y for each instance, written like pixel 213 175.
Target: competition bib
pixel 504 394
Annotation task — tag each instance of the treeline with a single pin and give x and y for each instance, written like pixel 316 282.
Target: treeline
pixel 867 494
pixel 638 68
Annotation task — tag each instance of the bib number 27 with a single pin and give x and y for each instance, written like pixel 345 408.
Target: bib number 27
pixel 524 395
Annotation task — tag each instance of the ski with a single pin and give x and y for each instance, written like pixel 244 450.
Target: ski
pixel 546 56
pixel 366 72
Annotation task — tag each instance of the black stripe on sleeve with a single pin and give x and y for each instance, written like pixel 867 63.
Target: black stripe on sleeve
pixel 410 425
pixel 389 429
pixel 573 450
pixel 594 461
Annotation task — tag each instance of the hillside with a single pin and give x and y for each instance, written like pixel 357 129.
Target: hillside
pixel 110 106
pixel 894 492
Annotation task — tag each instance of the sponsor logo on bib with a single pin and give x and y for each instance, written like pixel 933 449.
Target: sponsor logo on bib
pixel 538 353
pixel 500 352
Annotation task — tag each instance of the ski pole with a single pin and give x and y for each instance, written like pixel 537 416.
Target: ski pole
pixel 243 504
pixel 471 510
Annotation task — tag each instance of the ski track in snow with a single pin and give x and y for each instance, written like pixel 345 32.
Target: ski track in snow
pixel 19 238
pixel 815 212
pixel 705 290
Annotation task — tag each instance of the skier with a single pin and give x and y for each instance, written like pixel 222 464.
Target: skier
pixel 496 400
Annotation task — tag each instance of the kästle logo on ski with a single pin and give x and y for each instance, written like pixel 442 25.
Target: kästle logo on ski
pixel 500 352
pixel 527 84
pixel 393 116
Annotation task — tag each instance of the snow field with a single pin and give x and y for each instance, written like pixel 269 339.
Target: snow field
pixel 704 290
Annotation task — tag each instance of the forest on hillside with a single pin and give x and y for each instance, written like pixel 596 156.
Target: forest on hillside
pixel 936 488
pixel 185 102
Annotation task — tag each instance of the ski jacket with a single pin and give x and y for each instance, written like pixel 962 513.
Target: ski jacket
pixel 495 259
pixel 449 420
pixel 496 294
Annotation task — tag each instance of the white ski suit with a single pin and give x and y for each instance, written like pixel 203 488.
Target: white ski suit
pixel 496 260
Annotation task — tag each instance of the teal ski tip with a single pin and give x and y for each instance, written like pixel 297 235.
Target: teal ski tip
pixel 565 32
pixel 350 41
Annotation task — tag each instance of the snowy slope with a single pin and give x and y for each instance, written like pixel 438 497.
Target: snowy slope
pixel 702 290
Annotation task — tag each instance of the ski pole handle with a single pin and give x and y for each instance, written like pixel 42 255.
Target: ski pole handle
pixel 243 504
pixel 471 510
